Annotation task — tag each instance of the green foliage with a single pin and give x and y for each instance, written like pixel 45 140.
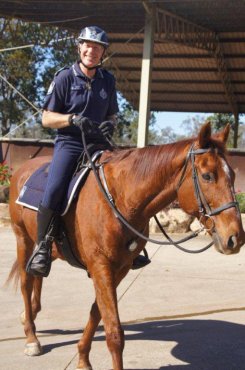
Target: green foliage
pixel 240 197
pixel 218 121
pixel 30 70
pixel 5 174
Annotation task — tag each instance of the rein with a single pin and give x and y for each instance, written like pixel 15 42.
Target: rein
pixel 109 199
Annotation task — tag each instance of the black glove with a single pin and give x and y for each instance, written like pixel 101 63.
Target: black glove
pixel 107 128
pixel 86 125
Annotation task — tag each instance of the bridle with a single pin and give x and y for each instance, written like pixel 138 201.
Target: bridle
pixel 202 204
pixel 203 207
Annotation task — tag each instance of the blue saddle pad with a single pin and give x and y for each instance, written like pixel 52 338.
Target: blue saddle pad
pixel 31 193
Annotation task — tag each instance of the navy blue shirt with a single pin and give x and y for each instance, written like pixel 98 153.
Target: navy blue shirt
pixel 73 92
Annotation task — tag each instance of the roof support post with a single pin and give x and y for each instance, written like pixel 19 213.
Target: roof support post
pixel 236 126
pixel 145 85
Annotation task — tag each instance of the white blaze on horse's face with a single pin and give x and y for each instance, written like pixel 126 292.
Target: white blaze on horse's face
pixel 227 171
pixel 226 232
pixel 226 168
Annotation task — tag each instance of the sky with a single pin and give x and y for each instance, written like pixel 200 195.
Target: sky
pixel 175 119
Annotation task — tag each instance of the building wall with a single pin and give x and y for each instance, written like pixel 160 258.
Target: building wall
pixel 17 151
pixel 236 159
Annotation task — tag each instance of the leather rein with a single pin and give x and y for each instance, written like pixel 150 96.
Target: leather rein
pixel 203 206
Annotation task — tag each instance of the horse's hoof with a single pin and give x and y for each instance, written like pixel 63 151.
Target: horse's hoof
pixel 33 349
pixel 84 368
pixel 23 317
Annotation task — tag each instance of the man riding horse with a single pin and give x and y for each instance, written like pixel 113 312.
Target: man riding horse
pixel 82 97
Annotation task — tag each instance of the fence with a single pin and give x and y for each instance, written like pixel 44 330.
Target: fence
pixel 17 151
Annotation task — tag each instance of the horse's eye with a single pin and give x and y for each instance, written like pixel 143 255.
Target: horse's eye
pixel 208 176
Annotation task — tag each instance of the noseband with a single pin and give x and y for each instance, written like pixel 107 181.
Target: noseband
pixel 203 207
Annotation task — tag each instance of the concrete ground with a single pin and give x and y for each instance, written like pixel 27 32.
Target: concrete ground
pixel 183 311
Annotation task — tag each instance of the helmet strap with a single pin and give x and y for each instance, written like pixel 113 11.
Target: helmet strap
pixel 94 67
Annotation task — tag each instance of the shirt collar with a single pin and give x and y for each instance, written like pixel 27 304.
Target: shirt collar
pixel 77 72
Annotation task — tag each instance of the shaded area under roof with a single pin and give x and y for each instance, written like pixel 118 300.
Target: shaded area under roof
pixel 199 50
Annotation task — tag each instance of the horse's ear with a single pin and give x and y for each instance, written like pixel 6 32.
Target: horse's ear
pixel 224 134
pixel 204 135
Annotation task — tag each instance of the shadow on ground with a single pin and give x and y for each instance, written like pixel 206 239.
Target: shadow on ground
pixel 200 344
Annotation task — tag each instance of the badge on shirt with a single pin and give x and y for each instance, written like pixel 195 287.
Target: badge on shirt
pixel 103 94
pixel 51 88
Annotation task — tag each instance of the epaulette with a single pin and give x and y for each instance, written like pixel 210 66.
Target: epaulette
pixel 61 69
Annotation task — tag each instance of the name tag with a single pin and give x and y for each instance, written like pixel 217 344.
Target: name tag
pixel 77 88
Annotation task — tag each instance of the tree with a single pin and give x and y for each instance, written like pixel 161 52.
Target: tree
pixel 30 69
pixel 167 135
pixel 192 125
pixel 218 121
pixel 18 68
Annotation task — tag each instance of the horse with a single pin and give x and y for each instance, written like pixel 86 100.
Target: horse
pixel 142 182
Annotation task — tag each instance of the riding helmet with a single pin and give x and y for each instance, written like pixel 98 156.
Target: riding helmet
pixel 94 34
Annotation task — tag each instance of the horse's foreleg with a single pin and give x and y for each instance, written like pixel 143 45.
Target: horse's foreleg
pixel 24 250
pixel 105 287
pixel 84 345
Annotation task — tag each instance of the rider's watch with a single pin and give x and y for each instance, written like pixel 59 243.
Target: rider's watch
pixel 71 118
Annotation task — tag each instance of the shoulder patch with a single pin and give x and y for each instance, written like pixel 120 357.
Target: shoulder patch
pixel 61 69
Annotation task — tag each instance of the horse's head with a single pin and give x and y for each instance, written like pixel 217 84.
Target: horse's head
pixel 207 190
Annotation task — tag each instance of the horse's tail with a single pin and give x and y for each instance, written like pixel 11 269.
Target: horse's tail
pixel 13 275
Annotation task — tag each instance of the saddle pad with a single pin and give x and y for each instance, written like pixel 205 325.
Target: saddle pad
pixel 32 192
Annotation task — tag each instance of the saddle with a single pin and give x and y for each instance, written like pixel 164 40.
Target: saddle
pixel 32 193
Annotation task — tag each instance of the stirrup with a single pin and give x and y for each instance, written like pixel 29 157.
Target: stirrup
pixel 42 267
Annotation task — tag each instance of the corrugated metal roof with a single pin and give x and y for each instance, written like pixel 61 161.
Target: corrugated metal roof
pixel 186 76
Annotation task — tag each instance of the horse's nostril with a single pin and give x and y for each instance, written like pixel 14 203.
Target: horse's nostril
pixel 232 242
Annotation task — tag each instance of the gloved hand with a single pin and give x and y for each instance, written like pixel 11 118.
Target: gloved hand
pixel 86 125
pixel 107 128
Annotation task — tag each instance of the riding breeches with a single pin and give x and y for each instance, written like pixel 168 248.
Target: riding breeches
pixel 64 162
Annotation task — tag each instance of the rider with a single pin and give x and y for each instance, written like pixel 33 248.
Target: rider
pixel 80 97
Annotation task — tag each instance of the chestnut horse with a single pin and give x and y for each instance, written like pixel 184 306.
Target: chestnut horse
pixel 142 182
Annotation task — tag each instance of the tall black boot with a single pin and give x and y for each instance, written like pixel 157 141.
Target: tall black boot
pixel 40 262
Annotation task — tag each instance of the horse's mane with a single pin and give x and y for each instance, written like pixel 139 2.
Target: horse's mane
pixel 146 161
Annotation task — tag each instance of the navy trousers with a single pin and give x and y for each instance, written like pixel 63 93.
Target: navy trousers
pixel 66 154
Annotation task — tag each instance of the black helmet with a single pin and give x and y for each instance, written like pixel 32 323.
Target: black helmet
pixel 94 34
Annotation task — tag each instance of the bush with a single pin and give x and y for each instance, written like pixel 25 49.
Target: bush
pixel 240 197
pixel 5 174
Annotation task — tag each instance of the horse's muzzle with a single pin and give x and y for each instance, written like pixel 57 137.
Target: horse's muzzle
pixel 231 245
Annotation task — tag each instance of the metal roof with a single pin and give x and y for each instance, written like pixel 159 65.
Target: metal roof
pixel 199 49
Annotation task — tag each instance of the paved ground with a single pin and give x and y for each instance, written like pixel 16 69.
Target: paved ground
pixel 181 312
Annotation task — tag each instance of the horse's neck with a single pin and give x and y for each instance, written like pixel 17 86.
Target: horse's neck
pixel 151 189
